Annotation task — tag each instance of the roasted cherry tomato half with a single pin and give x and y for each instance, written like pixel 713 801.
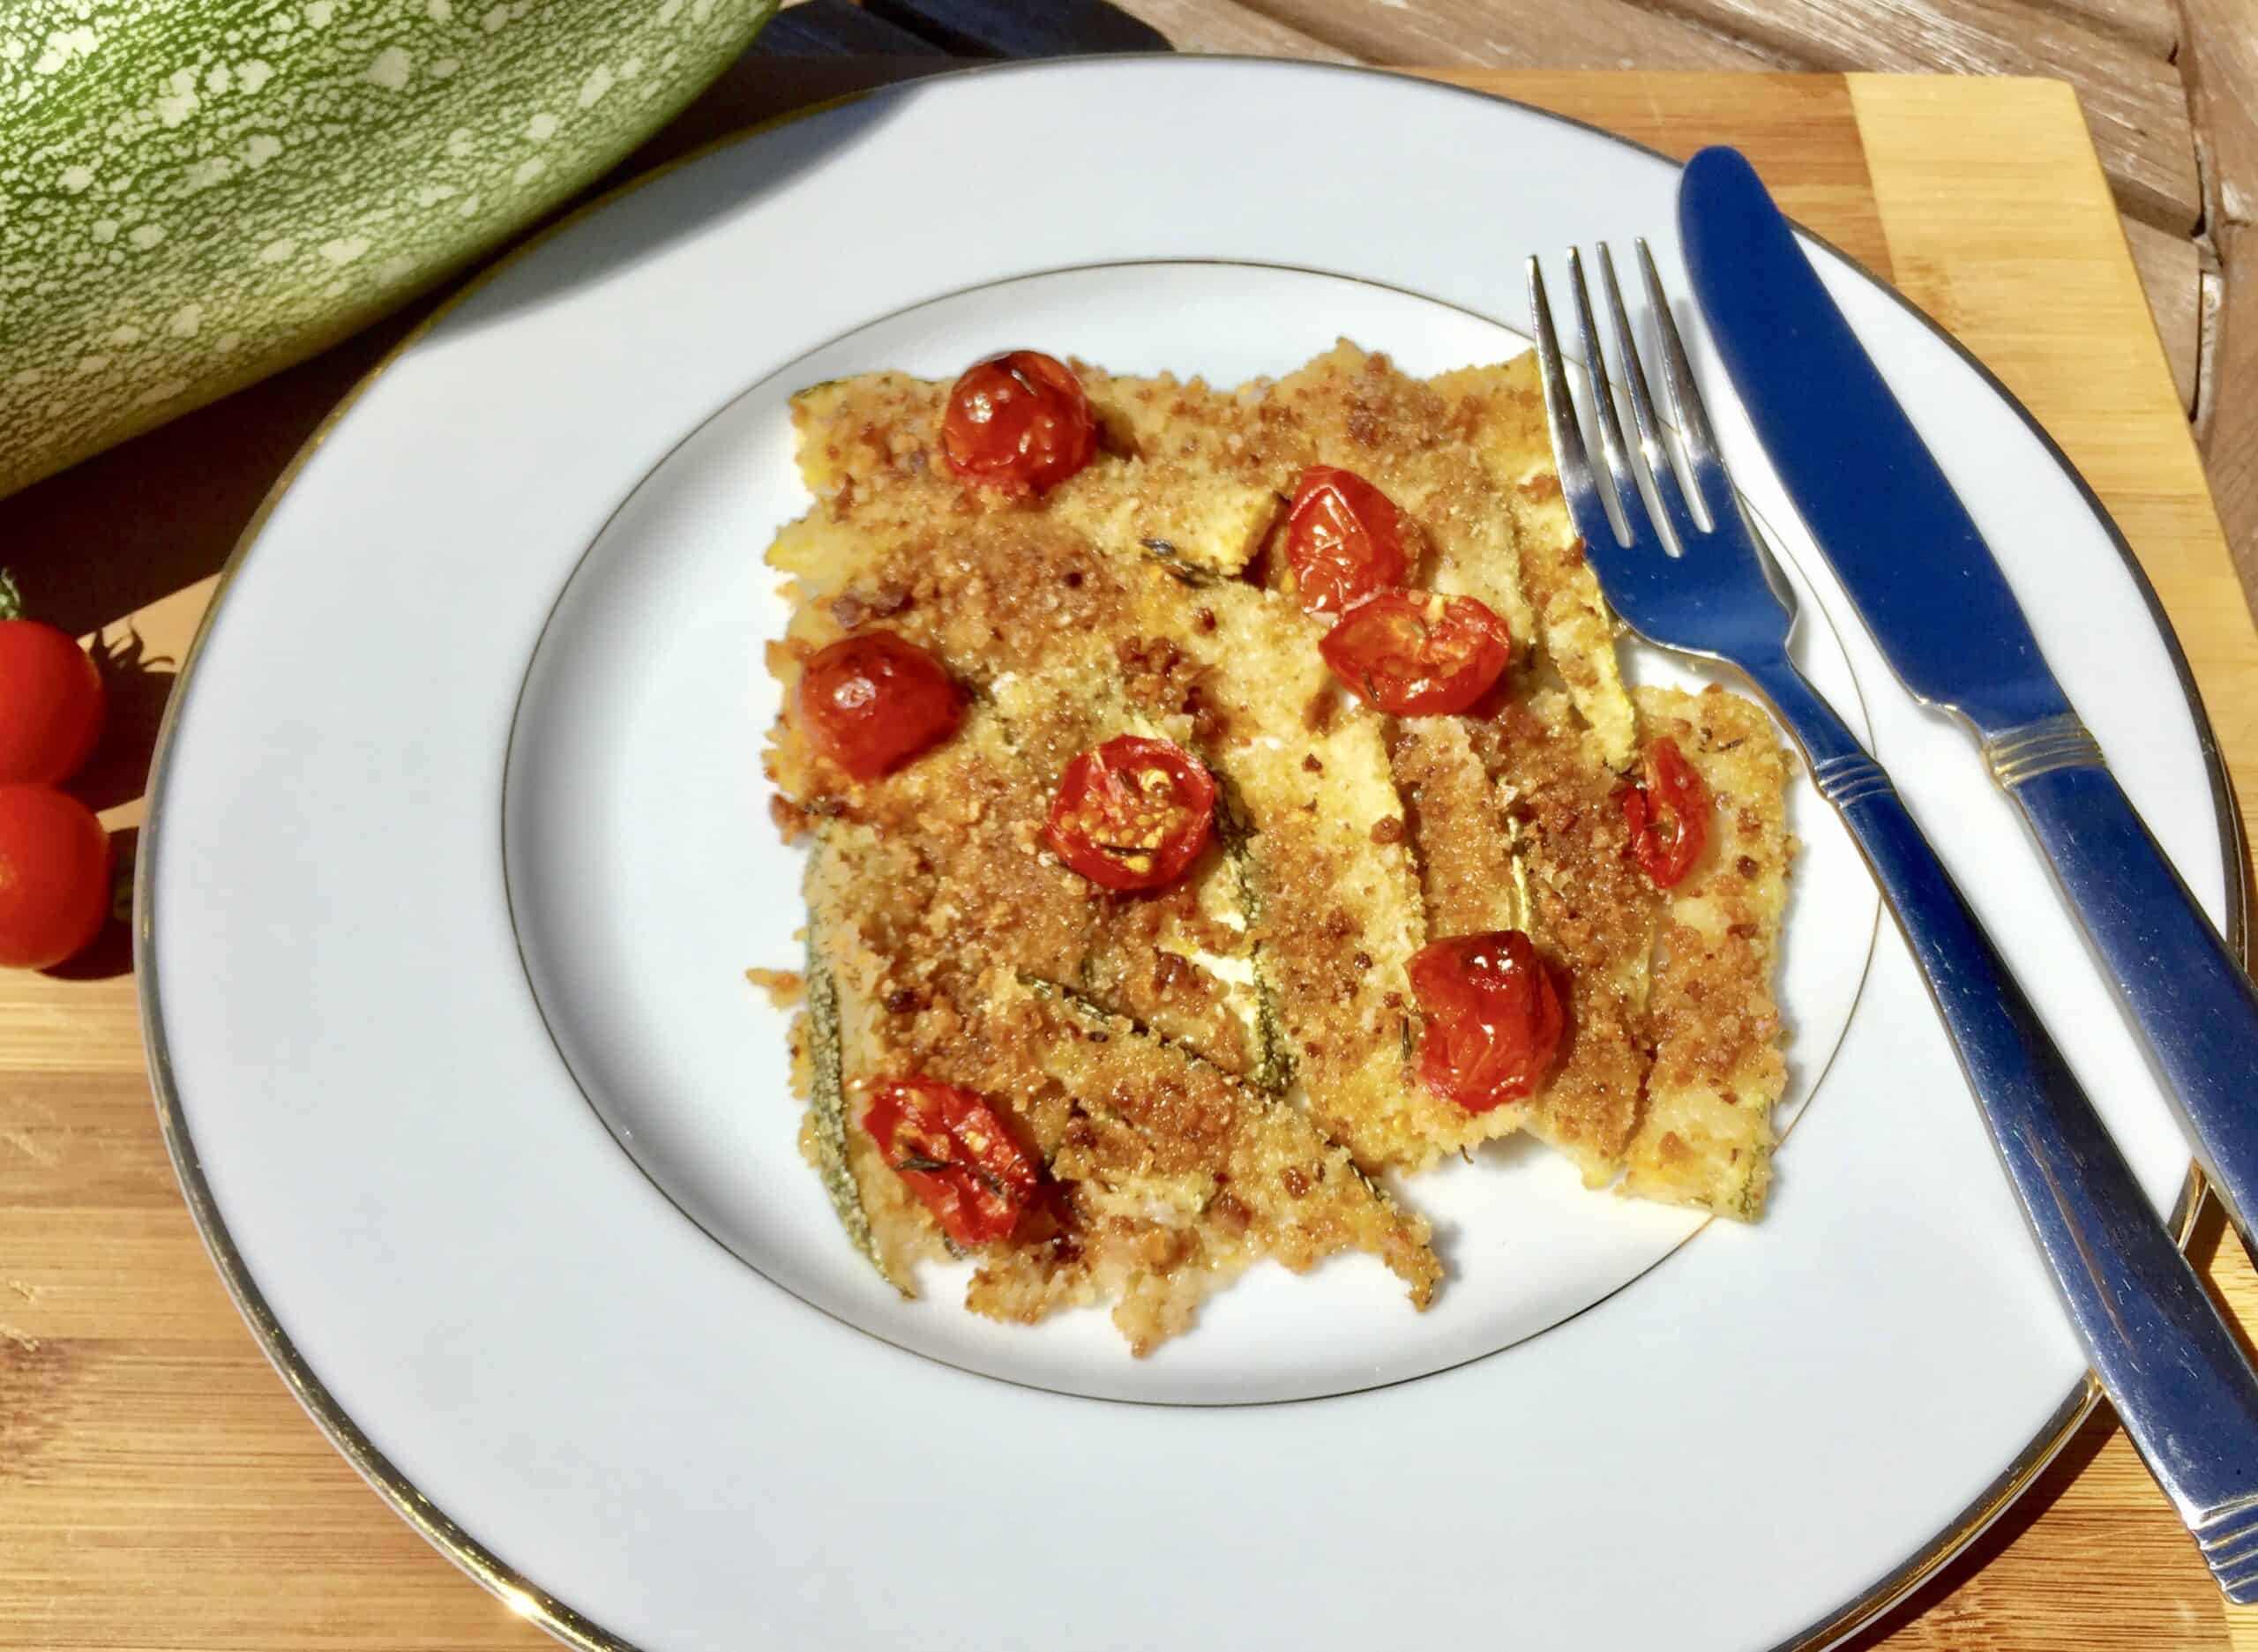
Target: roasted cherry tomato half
pixel 1344 539
pixel 1669 816
pixel 51 704
pixel 1132 813
pixel 956 1155
pixel 55 877
pixel 1018 423
pixel 874 700
pixel 1493 1018
pixel 1418 653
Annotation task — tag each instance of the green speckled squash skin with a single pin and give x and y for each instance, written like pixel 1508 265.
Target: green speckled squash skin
pixel 195 193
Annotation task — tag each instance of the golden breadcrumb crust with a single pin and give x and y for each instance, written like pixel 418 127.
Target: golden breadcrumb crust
pixel 1211 1074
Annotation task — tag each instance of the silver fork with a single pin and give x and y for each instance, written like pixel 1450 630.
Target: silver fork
pixel 2188 1397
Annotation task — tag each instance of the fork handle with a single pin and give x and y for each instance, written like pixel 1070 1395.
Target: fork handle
pixel 2181 1385
pixel 2188 998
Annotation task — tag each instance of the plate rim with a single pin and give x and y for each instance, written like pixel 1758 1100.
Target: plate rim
pixel 537 1604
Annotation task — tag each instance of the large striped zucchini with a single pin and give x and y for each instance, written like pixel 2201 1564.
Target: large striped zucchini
pixel 194 193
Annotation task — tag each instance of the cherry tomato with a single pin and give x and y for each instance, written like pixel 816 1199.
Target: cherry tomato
pixel 1493 1018
pixel 874 700
pixel 54 871
pixel 1669 816
pixel 1132 813
pixel 1344 539
pixel 957 1156
pixel 1417 653
pixel 51 704
pixel 1018 423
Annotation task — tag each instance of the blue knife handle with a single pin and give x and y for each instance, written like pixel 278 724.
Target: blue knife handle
pixel 2188 997
pixel 1886 516
pixel 2186 1396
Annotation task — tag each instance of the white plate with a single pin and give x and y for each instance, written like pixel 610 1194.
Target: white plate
pixel 640 892
pixel 490 673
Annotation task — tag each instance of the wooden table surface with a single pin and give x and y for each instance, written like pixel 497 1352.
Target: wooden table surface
pixel 159 1487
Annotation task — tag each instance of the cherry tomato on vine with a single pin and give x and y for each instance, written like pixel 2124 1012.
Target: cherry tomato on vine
pixel 51 701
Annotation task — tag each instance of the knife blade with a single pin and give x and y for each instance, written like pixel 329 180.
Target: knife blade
pixel 1932 594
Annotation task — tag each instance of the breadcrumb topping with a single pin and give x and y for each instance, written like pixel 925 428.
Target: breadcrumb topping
pixel 1212 1074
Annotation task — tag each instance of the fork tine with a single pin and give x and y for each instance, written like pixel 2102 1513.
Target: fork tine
pixel 1627 498
pixel 1705 464
pixel 1724 602
pixel 1651 445
pixel 1578 485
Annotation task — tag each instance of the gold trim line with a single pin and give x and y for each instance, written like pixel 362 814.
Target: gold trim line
pixel 514 1589
pixel 2031 749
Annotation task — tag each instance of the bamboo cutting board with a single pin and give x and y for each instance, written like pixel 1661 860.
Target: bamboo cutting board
pixel 159 1487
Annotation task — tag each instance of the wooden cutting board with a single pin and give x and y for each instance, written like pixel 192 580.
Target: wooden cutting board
pixel 159 1486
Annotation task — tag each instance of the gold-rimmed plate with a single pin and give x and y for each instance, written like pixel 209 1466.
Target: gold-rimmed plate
pixel 468 1276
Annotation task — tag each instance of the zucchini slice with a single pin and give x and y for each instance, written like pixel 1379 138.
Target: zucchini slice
pixel 1707 1138
pixel 827 1116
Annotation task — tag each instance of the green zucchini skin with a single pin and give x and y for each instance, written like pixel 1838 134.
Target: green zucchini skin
pixel 1274 1066
pixel 196 193
pixel 827 1101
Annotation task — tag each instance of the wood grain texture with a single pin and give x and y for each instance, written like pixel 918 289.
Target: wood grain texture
pixel 1226 26
pixel 2106 49
pixel 2221 62
pixel 2082 349
pixel 1801 130
pixel 2134 102
pixel 1587 34
pixel 2033 217
pixel 2151 24
pixel 2230 408
pixel 2119 49
pixel 2171 268
pixel 158 1487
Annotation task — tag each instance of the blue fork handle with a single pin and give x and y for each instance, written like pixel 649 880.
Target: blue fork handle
pixel 2188 996
pixel 2185 1392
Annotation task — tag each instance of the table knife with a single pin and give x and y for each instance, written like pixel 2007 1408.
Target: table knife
pixel 1936 604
